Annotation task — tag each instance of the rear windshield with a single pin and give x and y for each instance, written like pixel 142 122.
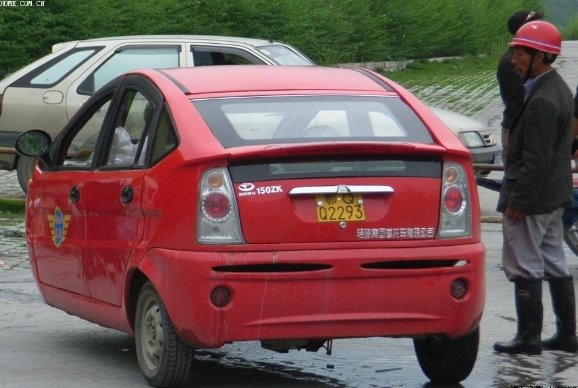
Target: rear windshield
pixel 283 55
pixel 239 122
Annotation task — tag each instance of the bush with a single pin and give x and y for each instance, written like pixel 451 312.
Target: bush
pixel 570 32
pixel 329 31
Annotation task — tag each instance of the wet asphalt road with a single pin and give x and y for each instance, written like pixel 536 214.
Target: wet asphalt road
pixel 44 347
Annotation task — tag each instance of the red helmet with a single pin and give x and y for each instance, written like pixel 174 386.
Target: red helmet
pixel 539 35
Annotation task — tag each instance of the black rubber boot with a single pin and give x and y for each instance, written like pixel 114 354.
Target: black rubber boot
pixel 530 314
pixel 564 303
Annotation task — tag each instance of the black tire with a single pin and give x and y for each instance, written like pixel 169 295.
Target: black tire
pixel 24 170
pixel 164 359
pixel 571 238
pixel 447 361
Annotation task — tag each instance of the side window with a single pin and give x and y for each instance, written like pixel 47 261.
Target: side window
pixel 80 150
pixel 130 128
pixel 214 56
pixel 129 59
pixel 55 70
pixel 165 139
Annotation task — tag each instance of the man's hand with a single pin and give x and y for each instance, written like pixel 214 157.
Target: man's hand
pixel 514 214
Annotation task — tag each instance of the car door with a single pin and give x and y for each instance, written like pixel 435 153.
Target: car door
pixel 43 92
pixel 58 211
pixel 113 192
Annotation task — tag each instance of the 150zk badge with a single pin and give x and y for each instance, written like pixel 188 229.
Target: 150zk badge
pixel 246 189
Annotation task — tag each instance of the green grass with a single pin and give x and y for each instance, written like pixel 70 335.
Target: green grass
pixel 466 85
pixel 12 209
pixel 443 73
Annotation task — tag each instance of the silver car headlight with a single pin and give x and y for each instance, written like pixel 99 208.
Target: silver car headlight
pixel 471 139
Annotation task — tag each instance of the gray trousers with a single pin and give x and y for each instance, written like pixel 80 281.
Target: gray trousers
pixel 532 247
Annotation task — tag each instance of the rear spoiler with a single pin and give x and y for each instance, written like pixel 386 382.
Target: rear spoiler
pixel 335 148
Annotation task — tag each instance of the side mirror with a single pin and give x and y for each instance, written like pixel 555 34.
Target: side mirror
pixel 33 143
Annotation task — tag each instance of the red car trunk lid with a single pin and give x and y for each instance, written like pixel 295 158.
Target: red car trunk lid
pixel 338 201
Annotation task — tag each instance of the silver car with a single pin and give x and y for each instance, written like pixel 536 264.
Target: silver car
pixel 474 134
pixel 46 93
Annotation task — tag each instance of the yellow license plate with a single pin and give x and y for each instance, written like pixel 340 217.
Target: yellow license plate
pixel 339 207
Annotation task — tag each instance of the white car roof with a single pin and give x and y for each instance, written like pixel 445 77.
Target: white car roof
pixel 214 39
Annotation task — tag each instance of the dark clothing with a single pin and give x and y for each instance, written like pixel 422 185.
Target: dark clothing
pixel 576 103
pixel 511 89
pixel 538 175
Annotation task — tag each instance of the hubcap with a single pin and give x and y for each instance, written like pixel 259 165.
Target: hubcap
pixel 152 336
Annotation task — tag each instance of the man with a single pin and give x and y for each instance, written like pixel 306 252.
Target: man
pixel 537 186
pixel 576 113
pixel 511 86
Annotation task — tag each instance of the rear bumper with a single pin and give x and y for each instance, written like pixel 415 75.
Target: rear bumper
pixel 346 299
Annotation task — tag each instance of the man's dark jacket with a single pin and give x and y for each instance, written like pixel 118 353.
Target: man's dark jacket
pixel 576 104
pixel 538 175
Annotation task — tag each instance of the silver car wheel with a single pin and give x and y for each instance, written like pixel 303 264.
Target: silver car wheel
pixel 164 359
pixel 152 335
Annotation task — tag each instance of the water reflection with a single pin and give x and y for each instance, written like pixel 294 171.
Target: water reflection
pixel 552 368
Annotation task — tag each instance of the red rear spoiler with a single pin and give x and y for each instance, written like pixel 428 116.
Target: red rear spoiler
pixel 335 148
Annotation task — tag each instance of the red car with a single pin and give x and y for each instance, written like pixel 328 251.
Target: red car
pixel 290 205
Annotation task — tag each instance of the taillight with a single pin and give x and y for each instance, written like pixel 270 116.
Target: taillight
pixel 218 217
pixel 455 207
pixel 454 201
pixel 216 206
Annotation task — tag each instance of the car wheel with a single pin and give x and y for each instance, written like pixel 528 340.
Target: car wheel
pixel 24 170
pixel 164 359
pixel 447 361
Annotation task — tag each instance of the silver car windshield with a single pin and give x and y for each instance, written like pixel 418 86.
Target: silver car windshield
pixel 290 119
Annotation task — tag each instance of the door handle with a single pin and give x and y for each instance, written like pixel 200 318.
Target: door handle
pixel 126 194
pixel 74 194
